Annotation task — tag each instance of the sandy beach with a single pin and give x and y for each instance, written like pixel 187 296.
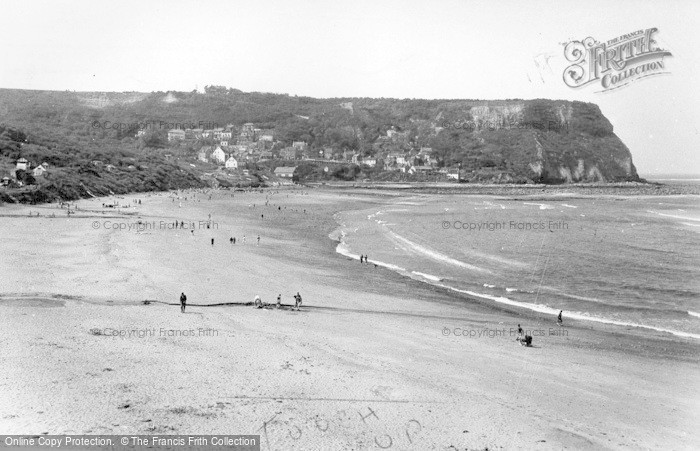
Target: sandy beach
pixel 372 360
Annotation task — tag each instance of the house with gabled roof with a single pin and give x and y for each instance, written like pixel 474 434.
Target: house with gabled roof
pixel 231 163
pixel 285 171
pixel 218 155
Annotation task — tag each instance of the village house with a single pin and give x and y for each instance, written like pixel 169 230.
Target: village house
pixel 397 158
pixel 301 145
pixel 176 135
pixel 288 153
pixel 39 170
pixel 370 161
pixel 285 171
pixel 248 132
pixel 218 155
pixel 231 163
pixel 22 164
pixel 453 174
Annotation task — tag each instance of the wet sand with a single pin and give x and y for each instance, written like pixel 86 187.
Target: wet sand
pixel 371 359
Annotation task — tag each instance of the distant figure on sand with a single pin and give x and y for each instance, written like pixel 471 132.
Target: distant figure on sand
pixel 297 300
pixel 279 300
pixel 257 301
pixel 520 330
pixel 212 241
pixel 258 239
pixel 559 319
pixel 230 240
pixel 183 302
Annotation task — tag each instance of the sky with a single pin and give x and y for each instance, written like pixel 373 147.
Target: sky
pixel 401 49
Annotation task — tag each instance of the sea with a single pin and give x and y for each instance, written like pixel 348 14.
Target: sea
pixel 630 261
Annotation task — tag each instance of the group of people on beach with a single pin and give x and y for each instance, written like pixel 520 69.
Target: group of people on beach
pixel 257 301
pixel 526 339
pixel 363 258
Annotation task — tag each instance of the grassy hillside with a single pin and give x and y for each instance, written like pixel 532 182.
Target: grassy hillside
pixel 514 140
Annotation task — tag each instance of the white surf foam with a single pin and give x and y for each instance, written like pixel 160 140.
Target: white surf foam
pixel 434 254
pixel 542 206
pixel 427 276
pixel 573 315
pixel 685 218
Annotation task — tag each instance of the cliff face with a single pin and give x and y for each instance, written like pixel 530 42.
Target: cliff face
pixel 543 141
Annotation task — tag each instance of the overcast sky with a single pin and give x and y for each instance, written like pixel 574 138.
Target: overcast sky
pixel 404 49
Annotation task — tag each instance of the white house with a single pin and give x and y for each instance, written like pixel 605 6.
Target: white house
pixel 39 170
pixel 218 155
pixel 453 174
pixel 231 163
pixel 371 162
pixel 22 164
pixel 176 134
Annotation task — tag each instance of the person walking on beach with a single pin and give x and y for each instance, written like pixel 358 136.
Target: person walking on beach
pixel 297 300
pixel 520 331
pixel 230 240
pixel 559 319
pixel 279 300
pixel 183 302
pixel 258 241
pixel 212 241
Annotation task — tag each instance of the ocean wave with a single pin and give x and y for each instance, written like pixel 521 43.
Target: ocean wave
pixel 685 218
pixel 695 314
pixel 427 276
pixel 417 248
pixel 540 308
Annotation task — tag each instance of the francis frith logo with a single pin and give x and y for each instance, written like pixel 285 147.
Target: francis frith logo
pixel 614 63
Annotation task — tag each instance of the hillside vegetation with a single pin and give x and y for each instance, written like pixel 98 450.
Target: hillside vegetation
pixel 515 141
